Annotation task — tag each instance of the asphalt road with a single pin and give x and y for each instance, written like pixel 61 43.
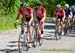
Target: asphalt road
pixel 50 45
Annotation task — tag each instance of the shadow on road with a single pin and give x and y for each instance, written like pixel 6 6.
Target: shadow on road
pixel 49 27
pixel 8 50
pixel 49 38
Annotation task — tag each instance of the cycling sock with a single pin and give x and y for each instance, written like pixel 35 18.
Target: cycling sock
pixel 41 32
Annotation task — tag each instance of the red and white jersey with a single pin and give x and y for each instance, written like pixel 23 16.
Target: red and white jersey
pixel 40 11
pixel 25 12
pixel 59 12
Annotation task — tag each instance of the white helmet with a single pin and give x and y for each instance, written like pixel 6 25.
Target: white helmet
pixel 24 5
pixel 58 6
pixel 67 5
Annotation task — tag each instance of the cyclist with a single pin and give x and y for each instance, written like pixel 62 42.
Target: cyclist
pixel 73 12
pixel 68 15
pixel 27 15
pixel 40 13
pixel 59 13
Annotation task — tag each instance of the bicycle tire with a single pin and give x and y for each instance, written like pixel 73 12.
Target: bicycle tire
pixel 40 42
pixel 34 38
pixel 57 33
pixel 22 45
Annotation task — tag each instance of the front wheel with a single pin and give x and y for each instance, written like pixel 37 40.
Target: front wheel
pixel 22 43
pixel 34 38
pixel 57 32
pixel 40 41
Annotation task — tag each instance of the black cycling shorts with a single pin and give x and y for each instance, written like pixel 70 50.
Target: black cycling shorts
pixel 60 17
pixel 28 19
pixel 39 19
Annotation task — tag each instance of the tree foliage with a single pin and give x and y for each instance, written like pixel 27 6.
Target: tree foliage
pixel 10 6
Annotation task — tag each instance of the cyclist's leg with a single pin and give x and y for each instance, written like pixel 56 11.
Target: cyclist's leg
pixel 30 36
pixel 68 24
pixel 73 18
pixel 41 26
pixel 30 33
pixel 62 25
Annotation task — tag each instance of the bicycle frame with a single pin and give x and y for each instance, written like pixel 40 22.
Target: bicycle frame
pixel 22 41
pixel 38 34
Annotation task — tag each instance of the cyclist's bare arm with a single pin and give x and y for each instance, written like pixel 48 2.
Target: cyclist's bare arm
pixel 17 16
pixel 44 15
pixel 64 15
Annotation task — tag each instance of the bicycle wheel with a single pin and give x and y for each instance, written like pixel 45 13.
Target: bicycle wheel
pixel 57 32
pixel 65 29
pixel 40 40
pixel 22 43
pixel 34 37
